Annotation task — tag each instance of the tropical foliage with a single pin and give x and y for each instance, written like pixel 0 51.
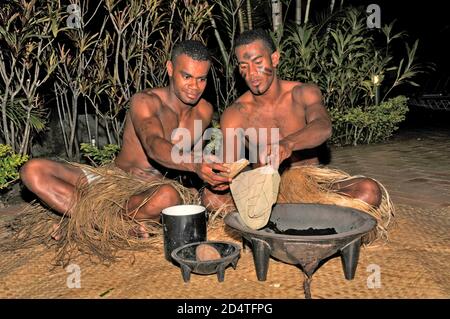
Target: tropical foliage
pixel 99 156
pixel 83 60
pixel 10 163
pixel 370 124
pixel 354 72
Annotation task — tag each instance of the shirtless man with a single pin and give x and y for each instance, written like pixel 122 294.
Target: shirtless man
pixel 153 116
pixel 295 108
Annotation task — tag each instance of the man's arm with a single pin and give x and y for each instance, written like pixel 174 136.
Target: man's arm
pixel 203 112
pixel 233 143
pixel 144 115
pixel 318 123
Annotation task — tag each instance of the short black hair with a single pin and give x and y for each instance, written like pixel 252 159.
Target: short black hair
pixel 192 48
pixel 251 36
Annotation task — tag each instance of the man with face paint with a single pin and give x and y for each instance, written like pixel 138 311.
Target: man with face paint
pixel 295 109
pixel 147 144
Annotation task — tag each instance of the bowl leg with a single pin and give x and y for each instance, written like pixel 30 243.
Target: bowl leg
pixel 186 272
pixel 234 262
pixel 350 257
pixel 245 244
pixel 261 255
pixel 221 273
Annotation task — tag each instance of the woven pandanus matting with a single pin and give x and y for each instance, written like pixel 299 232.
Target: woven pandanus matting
pixel 414 264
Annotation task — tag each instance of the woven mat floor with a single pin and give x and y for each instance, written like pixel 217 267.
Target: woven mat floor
pixel 414 264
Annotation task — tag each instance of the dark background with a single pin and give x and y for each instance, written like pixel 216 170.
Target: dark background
pixel 428 21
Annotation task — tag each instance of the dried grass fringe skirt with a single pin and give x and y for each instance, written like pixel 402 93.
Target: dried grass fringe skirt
pixel 98 225
pixel 312 184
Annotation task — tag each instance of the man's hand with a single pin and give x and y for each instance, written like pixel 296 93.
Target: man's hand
pixel 221 187
pixel 210 170
pixel 285 151
pixel 276 153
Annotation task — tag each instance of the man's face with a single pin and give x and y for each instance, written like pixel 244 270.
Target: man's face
pixel 188 78
pixel 257 66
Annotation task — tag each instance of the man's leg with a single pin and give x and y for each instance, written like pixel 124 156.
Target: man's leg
pixel 214 201
pixel 365 189
pixel 148 205
pixel 164 197
pixel 54 183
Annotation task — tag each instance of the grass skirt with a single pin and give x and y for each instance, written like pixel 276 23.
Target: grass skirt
pixel 99 224
pixel 312 184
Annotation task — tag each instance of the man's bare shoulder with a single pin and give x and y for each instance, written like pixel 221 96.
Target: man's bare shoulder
pixel 233 116
pixel 306 94
pixel 204 109
pixel 290 85
pixel 238 107
pixel 242 104
pixel 306 90
pixel 146 102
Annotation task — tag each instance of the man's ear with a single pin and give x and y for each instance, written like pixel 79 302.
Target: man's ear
pixel 275 58
pixel 169 66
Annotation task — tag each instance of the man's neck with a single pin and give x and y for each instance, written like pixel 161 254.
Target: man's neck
pixel 175 104
pixel 271 96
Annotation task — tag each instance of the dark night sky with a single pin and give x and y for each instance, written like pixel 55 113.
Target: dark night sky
pixel 428 21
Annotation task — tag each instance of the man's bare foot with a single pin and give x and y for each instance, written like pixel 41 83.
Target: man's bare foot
pixel 140 232
pixel 56 233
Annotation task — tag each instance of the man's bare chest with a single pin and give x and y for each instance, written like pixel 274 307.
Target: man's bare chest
pixel 188 130
pixel 285 122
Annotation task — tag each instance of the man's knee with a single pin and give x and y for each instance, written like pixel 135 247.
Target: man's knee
pixel 165 196
pixel 31 172
pixel 168 196
pixel 214 201
pixel 370 192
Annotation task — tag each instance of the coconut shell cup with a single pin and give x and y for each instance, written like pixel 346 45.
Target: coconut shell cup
pixel 235 167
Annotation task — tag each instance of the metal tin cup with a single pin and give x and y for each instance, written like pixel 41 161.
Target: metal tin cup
pixel 182 225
